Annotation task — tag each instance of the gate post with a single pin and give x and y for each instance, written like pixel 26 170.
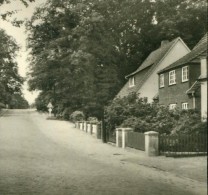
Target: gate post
pixel 125 135
pixel 121 136
pixel 152 143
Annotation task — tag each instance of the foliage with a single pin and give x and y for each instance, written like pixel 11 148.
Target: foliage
pixel 42 101
pixel 2 105
pixel 18 102
pixel 10 80
pixel 66 114
pixel 93 120
pixel 81 50
pixel 132 111
pixel 6 15
pixel 77 116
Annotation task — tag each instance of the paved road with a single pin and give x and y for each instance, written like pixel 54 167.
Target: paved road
pixel 39 156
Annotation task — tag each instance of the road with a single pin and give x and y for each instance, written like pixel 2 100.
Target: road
pixel 39 156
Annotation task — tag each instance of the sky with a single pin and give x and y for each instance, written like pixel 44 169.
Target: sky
pixel 20 36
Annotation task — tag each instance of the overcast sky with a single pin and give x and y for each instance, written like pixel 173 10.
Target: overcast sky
pixel 20 37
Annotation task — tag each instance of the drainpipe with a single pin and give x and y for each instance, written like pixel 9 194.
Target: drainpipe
pixel 194 100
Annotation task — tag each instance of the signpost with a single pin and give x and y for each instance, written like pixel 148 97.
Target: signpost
pixel 50 107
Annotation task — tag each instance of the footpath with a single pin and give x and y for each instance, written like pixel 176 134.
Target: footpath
pixel 3 111
pixel 193 168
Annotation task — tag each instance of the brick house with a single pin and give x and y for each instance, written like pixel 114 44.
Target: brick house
pixel 183 84
pixel 143 81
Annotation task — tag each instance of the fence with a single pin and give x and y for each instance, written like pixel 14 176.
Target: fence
pixel 111 136
pixel 183 145
pixel 89 127
pixel 136 140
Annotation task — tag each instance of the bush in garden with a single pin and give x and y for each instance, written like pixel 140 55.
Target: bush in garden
pixel 66 113
pixel 132 111
pixel 92 119
pixel 77 116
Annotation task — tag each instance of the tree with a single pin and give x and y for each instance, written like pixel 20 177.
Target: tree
pixel 18 102
pixel 10 80
pixel 7 14
pixel 81 50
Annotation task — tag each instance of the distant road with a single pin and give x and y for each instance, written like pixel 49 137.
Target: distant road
pixel 39 156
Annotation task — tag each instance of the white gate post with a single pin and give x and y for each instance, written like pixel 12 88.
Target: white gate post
pixel 152 143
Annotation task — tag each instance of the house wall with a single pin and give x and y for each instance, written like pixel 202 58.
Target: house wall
pixel 137 79
pixel 204 99
pixel 204 88
pixel 150 87
pixel 176 94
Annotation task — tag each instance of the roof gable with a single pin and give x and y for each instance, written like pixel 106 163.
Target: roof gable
pixel 155 57
pixel 197 51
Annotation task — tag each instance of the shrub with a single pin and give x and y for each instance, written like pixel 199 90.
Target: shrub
pixel 2 105
pixel 132 111
pixel 92 119
pixel 77 116
pixel 66 113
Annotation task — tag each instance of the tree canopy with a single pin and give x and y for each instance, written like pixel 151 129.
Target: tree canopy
pixel 81 50
pixel 10 80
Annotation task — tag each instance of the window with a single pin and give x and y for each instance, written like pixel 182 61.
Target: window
pixel 185 74
pixel 172 106
pixel 162 80
pixel 131 82
pixel 184 106
pixel 172 77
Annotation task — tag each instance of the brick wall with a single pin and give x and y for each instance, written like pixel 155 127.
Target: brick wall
pixel 176 94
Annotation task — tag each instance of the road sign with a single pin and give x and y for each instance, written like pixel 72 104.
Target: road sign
pixel 49 105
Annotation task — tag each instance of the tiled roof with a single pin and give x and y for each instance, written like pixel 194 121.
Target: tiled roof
pixel 202 41
pixel 198 50
pixel 154 57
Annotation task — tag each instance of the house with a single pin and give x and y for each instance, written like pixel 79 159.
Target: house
pixel 183 84
pixel 143 81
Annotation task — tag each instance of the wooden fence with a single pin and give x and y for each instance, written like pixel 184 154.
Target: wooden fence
pixel 183 145
pixel 136 140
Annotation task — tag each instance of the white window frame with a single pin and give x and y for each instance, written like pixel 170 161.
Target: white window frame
pixel 184 106
pixel 172 77
pixel 162 80
pixel 131 81
pixel 172 106
pixel 185 75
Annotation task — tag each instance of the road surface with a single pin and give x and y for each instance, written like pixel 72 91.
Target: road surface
pixel 39 156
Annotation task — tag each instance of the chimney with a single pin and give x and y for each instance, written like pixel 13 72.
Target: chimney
pixel 164 42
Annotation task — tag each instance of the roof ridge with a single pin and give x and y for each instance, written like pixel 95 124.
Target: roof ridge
pixel 153 67
pixel 201 41
pixel 188 54
pixel 166 47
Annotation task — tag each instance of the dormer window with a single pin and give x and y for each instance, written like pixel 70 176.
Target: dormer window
pixel 162 84
pixel 185 74
pixel 131 82
pixel 172 77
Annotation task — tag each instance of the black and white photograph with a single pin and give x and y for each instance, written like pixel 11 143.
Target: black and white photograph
pixel 103 97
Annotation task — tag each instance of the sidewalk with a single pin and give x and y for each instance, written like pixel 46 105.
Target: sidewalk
pixel 194 168
pixel 3 111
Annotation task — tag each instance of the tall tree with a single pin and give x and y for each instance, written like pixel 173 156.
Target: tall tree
pixel 10 80
pixel 81 50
